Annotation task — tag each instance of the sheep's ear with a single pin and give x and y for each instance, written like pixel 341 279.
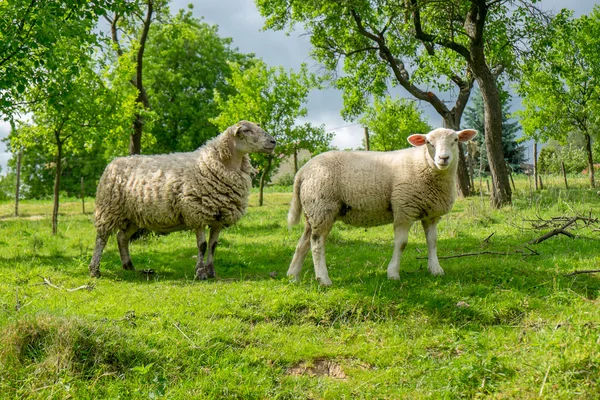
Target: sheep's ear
pixel 466 135
pixel 236 128
pixel 417 139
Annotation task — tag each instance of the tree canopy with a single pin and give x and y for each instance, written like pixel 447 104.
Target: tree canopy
pixel 185 62
pixel 391 122
pixel 560 84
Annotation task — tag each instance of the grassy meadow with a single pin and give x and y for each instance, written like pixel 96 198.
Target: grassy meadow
pixel 502 324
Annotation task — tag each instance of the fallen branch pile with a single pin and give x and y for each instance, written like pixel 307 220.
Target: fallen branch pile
pixel 560 225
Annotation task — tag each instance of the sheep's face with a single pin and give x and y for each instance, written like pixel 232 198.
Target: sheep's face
pixel 442 145
pixel 251 138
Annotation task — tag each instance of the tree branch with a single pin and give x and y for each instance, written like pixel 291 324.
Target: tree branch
pixel 429 38
pixel 398 67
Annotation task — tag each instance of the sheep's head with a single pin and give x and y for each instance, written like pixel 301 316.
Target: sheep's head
pixel 442 144
pixel 251 138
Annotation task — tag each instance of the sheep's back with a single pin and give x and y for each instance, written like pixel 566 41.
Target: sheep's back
pixel 142 190
pixel 355 186
pixel 374 188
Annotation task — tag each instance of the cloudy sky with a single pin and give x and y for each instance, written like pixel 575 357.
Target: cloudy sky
pixel 240 20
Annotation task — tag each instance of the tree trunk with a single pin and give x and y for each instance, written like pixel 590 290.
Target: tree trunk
pixel 367 146
pixel 263 178
pixel 82 197
pixel 564 172
pixel 588 149
pixel 18 188
pixel 502 193
pixel 295 160
pixel 56 184
pixel 535 167
pixel 135 139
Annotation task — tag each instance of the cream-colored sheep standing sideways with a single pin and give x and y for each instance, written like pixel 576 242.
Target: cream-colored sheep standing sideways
pixel 180 191
pixel 366 188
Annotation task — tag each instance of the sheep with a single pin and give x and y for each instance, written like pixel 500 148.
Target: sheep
pixel 179 191
pixel 367 188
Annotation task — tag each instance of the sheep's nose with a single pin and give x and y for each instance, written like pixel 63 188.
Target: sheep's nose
pixel 272 141
pixel 445 157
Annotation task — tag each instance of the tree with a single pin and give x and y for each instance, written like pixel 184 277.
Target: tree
pixel 376 57
pixel 185 62
pixel 561 84
pixel 392 122
pixel 306 137
pixel 136 26
pixel 29 33
pixel 514 153
pixel 275 99
pixel 71 110
pixel 446 42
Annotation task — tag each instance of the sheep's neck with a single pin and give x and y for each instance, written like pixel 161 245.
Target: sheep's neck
pixel 235 161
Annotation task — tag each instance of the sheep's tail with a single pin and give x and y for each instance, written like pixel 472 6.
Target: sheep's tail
pixel 296 205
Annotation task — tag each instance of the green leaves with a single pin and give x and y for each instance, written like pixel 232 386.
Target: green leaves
pixel 185 62
pixel 391 122
pixel 275 99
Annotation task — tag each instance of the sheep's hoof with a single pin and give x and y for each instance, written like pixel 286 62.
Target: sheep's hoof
pixel 294 278
pixel 128 266
pixel 324 281
pixel 394 277
pixel 210 270
pixel 205 272
pixel 94 273
pixel 436 271
pixel 201 275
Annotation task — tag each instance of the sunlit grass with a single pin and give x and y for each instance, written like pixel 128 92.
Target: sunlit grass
pixel 501 326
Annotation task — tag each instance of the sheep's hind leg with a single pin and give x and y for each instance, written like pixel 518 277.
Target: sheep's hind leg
pixel 300 254
pixel 400 241
pixel 430 228
pixel 123 237
pixel 94 266
pixel 317 244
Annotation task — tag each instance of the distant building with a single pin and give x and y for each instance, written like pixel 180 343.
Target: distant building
pixel 526 168
pixel 287 166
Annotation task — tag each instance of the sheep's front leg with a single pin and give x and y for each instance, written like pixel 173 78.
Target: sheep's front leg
pixel 430 228
pixel 400 241
pixel 300 254
pixel 209 269
pixel 94 267
pixel 317 244
pixel 201 272
pixel 123 237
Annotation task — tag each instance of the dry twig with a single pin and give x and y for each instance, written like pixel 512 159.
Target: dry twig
pixel 507 253
pixel 47 282
pixel 583 271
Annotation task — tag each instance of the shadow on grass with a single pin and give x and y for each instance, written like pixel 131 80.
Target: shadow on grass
pixel 358 270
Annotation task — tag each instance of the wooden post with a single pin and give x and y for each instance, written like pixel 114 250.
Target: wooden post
pixel 82 197
pixel 18 188
pixel 487 182
pixel 509 169
pixel 541 183
pixel 535 167
pixel 562 166
pixel 367 147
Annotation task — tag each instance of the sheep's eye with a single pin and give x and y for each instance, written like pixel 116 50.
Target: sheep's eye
pixel 431 144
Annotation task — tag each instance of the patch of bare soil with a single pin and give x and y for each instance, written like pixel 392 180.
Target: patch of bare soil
pixel 319 367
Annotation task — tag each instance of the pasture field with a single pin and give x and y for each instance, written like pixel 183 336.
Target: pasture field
pixel 502 324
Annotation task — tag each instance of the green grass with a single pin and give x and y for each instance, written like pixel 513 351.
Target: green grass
pixel 495 326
